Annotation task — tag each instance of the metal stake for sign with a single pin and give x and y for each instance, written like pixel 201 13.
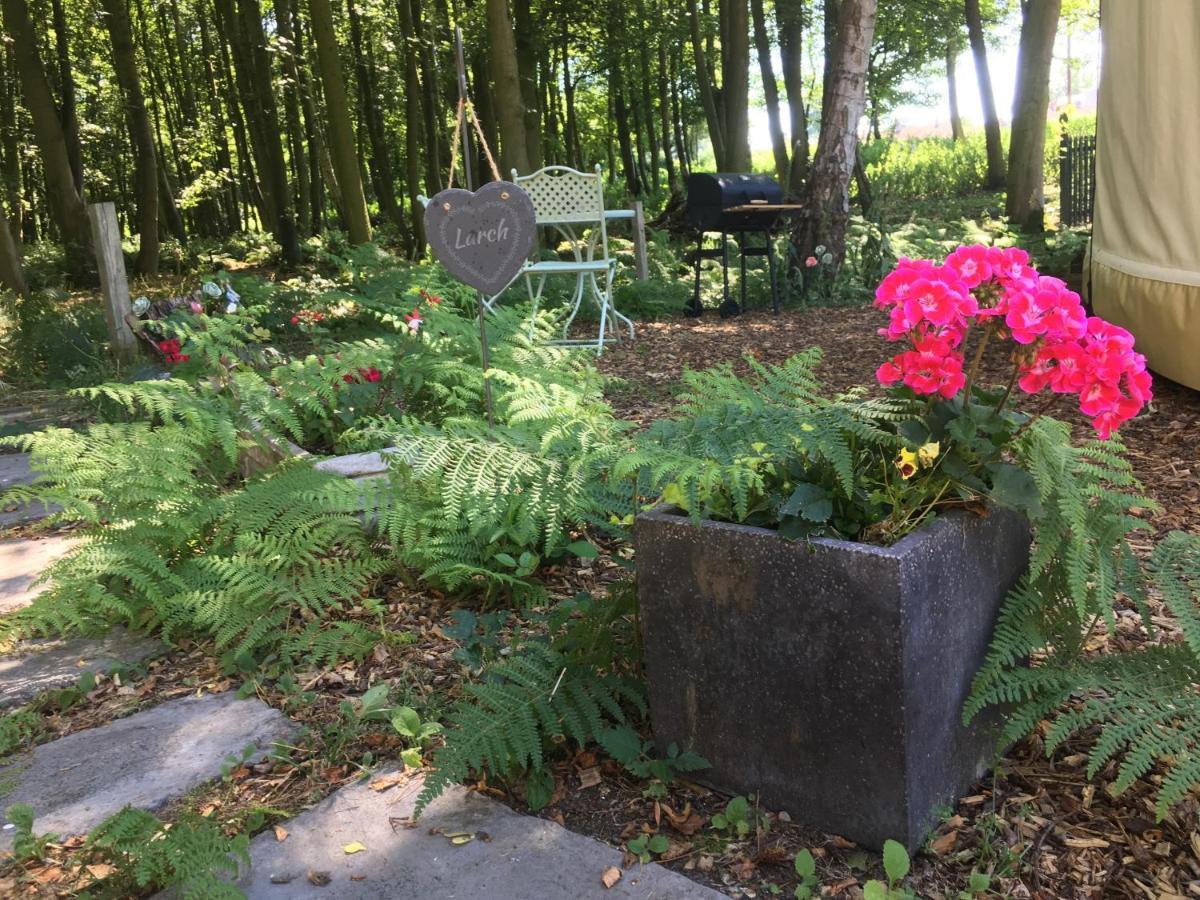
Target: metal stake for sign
pixel 469 181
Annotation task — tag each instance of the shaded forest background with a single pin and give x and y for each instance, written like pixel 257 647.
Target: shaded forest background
pixel 206 118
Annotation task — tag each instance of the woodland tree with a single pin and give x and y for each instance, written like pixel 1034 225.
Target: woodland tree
pixel 1025 201
pixel 145 157
pixel 991 121
pixel 341 130
pixel 62 193
pixel 827 199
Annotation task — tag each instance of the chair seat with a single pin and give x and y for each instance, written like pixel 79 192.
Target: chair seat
pixel 567 267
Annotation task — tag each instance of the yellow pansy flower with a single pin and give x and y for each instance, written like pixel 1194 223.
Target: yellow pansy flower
pixel 906 462
pixel 928 453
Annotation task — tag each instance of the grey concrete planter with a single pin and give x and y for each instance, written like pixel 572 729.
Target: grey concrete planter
pixel 827 676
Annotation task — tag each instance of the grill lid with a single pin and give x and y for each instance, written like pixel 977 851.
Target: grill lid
pixel 710 194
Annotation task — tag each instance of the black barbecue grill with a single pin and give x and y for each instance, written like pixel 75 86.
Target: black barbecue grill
pixel 728 203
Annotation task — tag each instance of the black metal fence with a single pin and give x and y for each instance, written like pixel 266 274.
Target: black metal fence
pixel 1076 178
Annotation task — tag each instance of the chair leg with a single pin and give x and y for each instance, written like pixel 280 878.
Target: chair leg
pixel 771 269
pixel 578 300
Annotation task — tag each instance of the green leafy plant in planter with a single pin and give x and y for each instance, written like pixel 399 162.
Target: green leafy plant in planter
pixel 769 450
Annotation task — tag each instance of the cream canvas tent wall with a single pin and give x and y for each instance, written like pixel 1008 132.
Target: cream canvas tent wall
pixel 1145 253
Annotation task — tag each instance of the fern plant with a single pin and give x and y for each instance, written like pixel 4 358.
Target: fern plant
pixel 1141 704
pixel 573 686
pixel 177 543
pixel 191 855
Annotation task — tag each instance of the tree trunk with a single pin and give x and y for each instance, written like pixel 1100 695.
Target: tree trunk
pixel 828 196
pixel 647 104
pixel 956 125
pixel 664 115
pixel 506 85
pixel 145 159
pixel 991 121
pixel 412 132
pixel 370 107
pixel 430 103
pixel 735 83
pixel 790 20
pixel 291 110
pixel 762 46
pixel 704 81
pixel 1026 202
pixel 341 131
pixel 574 151
pixel 12 277
pixel 65 202
pixel 66 86
pixel 9 141
pixel 256 87
pixel 526 44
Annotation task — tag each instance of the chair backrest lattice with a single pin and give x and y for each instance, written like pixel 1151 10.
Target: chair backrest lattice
pixel 564 197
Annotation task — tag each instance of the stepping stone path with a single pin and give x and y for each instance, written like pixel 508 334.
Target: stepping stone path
pixel 14 470
pixel 146 761
pixel 22 560
pixel 511 857
pixel 36 666
pixel 155 757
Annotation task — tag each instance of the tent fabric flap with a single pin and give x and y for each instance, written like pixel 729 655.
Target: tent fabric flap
pixel 1145 260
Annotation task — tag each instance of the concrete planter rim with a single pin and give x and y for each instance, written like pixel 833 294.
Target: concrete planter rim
pixel 898 550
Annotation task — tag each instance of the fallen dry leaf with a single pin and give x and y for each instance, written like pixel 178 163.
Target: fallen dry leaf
pixel 281 833
pixel 841 843
pixel 589 777
pixel 320 879
pixel 944 844
pixel 354 847
pixel 100 871
pixel 610 876
pixel 383 782
pixel 841 886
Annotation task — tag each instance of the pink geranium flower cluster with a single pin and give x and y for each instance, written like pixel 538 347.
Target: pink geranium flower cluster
pixel 1059 346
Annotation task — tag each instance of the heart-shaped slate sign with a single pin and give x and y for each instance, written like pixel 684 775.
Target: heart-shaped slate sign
pixel 482 237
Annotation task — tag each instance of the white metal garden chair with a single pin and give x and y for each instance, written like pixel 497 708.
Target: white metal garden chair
pixel 572 203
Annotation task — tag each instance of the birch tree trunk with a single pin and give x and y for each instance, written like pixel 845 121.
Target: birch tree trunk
pixel 1026 200
pixel 828 196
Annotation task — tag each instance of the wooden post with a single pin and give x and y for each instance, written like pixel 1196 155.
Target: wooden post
pixel 639 241
pixel 106 234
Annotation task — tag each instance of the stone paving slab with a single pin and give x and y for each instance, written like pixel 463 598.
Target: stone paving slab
pixel 14 470
pixel 523 858
pixel 44 665
pixel 22 560
pixel 144 761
